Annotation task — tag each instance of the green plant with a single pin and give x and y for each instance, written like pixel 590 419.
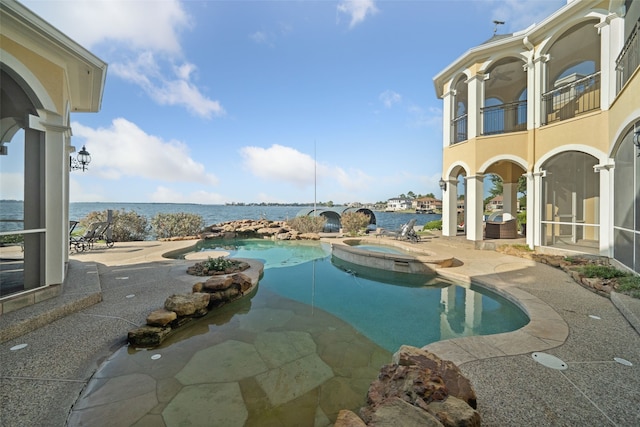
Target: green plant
pixel 176 224
pixel 219 264
pixel 433 225
pixel 601 271
pixel 354 222
pixel 307 223
pixel 11 239
pixel 126 226
pixel 630 285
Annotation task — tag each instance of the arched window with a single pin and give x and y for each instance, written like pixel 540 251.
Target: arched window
pixel 571 202
pixel 460 106
pixel 626 208
pixel 573 74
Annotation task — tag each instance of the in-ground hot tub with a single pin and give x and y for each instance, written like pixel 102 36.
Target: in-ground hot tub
pixel 391 256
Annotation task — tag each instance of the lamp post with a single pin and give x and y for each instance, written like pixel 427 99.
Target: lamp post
pixel 82 161
pixel 636 139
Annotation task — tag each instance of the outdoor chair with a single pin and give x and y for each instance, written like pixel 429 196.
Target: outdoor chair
pixel 405 232
pixel 100 234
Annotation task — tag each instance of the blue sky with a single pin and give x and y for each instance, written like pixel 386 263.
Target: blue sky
pixel 230 101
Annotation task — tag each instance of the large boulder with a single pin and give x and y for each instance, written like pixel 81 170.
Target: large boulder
pixel 454 412
pixel 457 384
pixel 395 412
pixel 217 283
pixel 188 304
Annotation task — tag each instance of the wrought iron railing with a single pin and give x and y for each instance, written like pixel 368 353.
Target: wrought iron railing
pixel 629 58
pixel 571 99
pixel 459 129
pixel 504 118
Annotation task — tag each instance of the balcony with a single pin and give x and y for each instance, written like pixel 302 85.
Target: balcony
pixel 574 95
pixel 504 118
pixel 629 59
pixel 459 129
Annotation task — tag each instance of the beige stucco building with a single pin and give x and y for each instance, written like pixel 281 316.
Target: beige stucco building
pixel 44 78
pixel 559 103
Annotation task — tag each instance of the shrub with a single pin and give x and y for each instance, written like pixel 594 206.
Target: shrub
pixel 433 225
pixel 630 285
pixel 219 264
pixel 176 224
pixel 127 225
pixel 354 222
pixel 307 223
pixel 601 271
pixel 11 239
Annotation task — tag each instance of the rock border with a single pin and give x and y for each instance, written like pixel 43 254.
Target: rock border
pixel 180 309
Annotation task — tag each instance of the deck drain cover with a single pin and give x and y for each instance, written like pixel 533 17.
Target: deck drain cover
pixel 549 361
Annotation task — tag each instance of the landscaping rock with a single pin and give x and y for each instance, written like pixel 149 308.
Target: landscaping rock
pixel 457 384
pixel 147 336
pixel 161 317
pixel 395 412
pixel 454 412
pixel 217 283
pixel 188 304
pixel 347 418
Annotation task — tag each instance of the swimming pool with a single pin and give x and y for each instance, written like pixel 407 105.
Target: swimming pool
pixel 389 308
pixel 304 345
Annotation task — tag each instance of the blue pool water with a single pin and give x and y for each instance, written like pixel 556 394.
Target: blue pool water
pixel 389 308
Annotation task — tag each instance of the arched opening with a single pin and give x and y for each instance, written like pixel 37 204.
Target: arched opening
pixel 460 111
pixel 573 74
pixel 22 221
pixel 505 108
pixel 571 202
pixel 626 209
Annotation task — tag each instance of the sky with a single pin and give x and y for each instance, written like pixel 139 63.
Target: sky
pixel 217 102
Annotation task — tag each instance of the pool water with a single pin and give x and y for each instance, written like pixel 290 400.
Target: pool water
pixel 389 308
pixel 304 345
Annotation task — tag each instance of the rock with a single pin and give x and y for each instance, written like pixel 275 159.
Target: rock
pixel 147 336
pixel 454 412
pixel 197 287
pixel 188 304
pixel 309 236
pixel 217 283
pixel 414 384
pixel 347 418
pixel 224 296
pixel 395 412
pixel 457 384
pixel 161 317
pixel 242 282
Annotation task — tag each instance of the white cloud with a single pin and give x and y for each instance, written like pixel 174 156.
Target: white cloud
pixel 135 24
pixel 11 186
pixel 167 195
pixel 357 10
pixel 126 150
pixel 286 164
pixel 389 97
pixel 280 163
pixel 168 90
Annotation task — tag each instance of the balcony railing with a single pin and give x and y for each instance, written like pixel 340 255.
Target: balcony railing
pixel 629 58
pixel 504 118
pixel 571 99
pixel 459 129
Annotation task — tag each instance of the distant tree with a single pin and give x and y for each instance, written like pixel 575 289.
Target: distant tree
pixel 330 203
pixel 402 196
pixel 430 195
pixel 411 195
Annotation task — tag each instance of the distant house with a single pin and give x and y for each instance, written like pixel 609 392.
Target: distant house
pixel 427 205
pixel 495 203
pixel 398 204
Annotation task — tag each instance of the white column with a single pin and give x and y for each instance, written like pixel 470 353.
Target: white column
pixel 447 104
pixel 450 208
pixel 474 212
pixel 532 227
pixel 606 209
pixel 536 212
pixel 611 30
pixel 55 160
pixel 510 198
pixel 538 89
pixel 474 91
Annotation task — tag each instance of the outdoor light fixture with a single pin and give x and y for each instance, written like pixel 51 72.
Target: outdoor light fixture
pixel 82 161
pixel 443 184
